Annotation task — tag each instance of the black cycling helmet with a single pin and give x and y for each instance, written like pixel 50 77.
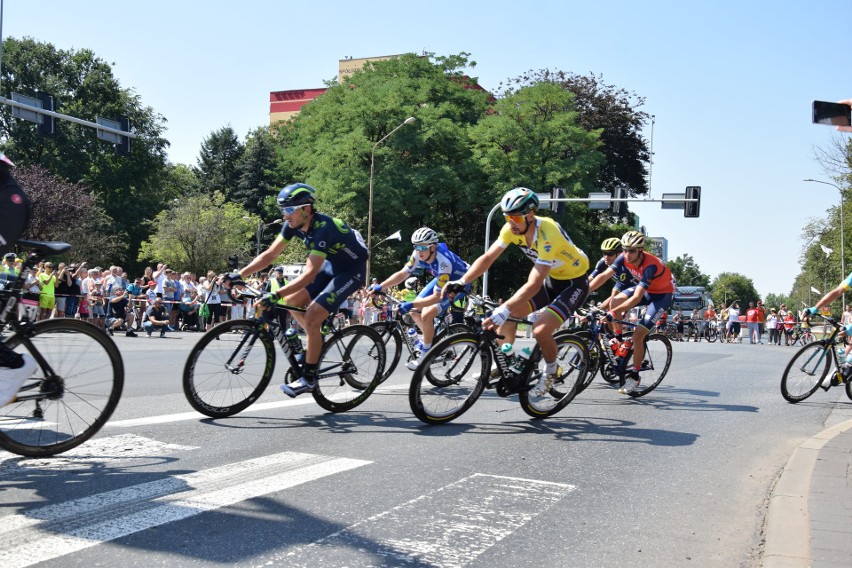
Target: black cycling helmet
pixel 296 194
pixel 519 201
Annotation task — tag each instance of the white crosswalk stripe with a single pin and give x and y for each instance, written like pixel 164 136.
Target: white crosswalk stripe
pixel 56 530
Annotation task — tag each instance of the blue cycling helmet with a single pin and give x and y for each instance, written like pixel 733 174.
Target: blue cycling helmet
pixel 296 194
pixel 519 201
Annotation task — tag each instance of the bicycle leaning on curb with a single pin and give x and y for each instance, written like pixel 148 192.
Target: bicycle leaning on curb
pixel 232 364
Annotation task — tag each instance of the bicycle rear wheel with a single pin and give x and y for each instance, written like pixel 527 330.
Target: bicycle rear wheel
pixel 392 339
pixel 805 371
pixel 350 367
pixel 75 401
pixel 572 362
pixel 655 364
pixel 450 378
pixel 229 368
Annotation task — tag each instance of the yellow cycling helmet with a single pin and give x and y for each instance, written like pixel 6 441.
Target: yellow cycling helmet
pixel 612 244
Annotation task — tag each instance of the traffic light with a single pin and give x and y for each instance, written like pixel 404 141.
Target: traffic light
pixel 123 147
pixel 692 209
pixel 618 208
pixel 48 124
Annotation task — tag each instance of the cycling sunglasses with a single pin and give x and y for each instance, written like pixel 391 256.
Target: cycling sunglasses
pixel 629 250
pixel 421 248
pixel 290 210
pixel 517 219
pixel 612 253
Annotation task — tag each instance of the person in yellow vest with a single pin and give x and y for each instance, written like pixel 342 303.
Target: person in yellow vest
pixel 277 281
pixel 8 266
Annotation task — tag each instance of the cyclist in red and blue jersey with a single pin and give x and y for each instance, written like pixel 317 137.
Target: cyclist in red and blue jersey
pixel 335 269
pixel 436 259
pixel 654 289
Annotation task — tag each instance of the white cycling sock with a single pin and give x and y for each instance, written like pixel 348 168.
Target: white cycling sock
pixel 550 368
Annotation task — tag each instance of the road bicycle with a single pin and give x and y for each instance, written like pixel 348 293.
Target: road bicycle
pixel 614 360
pixel 461 367
pixel 395 333
pixel 809 368
pixel 78 381
pixel 711 331
pixel 232 364
pixel 801 336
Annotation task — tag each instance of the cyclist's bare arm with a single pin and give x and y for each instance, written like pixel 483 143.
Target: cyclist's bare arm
pixel 599 280
pixel 265 258
pixel 394 279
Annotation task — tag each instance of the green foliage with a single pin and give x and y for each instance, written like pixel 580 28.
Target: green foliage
pixel 218 162
pixel 729 287
pixel 687 273
pixel 257 184
pixel 199 233
pixel 128 188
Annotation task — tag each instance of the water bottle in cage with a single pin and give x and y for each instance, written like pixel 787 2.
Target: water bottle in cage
pixel 521 359
pixel 624 348
pixel 295 342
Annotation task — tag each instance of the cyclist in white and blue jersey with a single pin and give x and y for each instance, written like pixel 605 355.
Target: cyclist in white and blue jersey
pixel 436 259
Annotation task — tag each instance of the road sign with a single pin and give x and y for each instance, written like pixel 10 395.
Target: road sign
pixel 676 200
pixel 599 200
pixel 23 113
pixel 109 136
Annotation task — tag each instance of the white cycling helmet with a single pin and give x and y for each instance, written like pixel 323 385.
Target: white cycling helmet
pixel 411 283
pixel 424 236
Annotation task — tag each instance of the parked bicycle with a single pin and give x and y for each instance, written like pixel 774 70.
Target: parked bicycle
pixel 614 358
pixel 78 381
pixel 232 364
pixel 456 371
pixel 801 335
pixel 396 333
pixel 711 331
pixel 809 368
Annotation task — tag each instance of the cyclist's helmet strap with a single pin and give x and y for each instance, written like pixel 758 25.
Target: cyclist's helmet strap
pixel 611 244
pixel 519 201
pixel 296 194
pixel 424 236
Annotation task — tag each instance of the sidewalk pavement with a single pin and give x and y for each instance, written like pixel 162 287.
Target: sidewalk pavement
pixel 809 521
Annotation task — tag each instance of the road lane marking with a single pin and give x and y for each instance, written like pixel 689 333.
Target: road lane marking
pixel 448 527
pixel 257 407
pixel 55 530
pixel 99 450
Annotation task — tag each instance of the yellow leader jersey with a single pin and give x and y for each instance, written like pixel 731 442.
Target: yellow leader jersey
pixel 552 247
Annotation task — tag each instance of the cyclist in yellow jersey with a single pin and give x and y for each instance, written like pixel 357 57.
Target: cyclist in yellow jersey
pixel 556 284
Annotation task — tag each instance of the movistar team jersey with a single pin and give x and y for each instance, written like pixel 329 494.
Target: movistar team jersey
pixel 622 277
pixel 551 246
pixel 340 245
pixel 651 273
pixel 445 267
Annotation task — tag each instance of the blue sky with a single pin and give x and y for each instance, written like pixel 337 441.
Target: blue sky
pixel 730 85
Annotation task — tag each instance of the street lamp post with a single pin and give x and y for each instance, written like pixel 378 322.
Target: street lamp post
pixel 408 120
pixel 842 236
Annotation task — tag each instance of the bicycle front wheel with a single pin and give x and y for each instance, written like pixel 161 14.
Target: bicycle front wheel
pixel 710 334
pixel 229 368
pixel 449 379
pixel 72 393
pixel 350 367
pixel 596 357
pixel 655 364
pixel 392 339
pixel 806 371
pixel 572 362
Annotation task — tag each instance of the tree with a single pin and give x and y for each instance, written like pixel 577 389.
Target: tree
pixel 218 161
pixel 731 286
pixel 258 182
pixel 613 111
pixel 687 273
pixel 128 188
pixel 69 212
pixel 199 233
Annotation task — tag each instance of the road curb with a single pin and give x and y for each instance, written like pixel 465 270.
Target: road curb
pixel 788 531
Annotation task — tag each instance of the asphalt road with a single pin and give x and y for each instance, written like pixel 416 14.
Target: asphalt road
pixel 678 478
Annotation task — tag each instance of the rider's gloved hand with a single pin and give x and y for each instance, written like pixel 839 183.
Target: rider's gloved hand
pixel 499 316
pixel 376 288
pixel 267 302
pixel 404 308
pixel 811 311
pixel 610 316
pixel 453 287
